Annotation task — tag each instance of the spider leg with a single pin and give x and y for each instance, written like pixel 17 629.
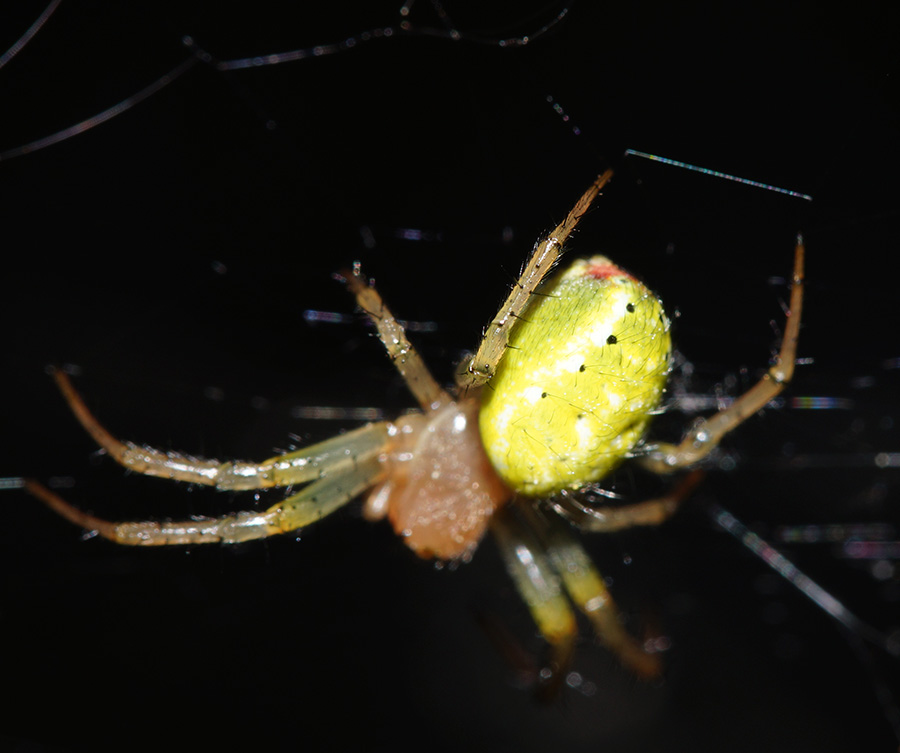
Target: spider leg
pixel 585 586
pixel 650 512
pixel 332 456
pixel 480 368
pixel 314 502
pixel 706 435
pixel 404 356
pixel 539 586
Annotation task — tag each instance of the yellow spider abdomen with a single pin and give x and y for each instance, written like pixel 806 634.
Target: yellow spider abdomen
pixel 585 369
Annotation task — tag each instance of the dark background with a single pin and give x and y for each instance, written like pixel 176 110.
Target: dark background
pixel 170 254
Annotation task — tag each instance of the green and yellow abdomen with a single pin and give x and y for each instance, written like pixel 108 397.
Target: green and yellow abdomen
pixel 585 369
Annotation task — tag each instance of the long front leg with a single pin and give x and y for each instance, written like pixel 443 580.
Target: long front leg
pixel 313 503
pixel 706 435
pixel 334 455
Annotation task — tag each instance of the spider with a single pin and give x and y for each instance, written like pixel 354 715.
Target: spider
pixel 560 392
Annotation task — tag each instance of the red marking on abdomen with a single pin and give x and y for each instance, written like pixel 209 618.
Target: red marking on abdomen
pixel 605 269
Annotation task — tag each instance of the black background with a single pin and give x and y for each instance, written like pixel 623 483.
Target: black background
pixel 170 254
